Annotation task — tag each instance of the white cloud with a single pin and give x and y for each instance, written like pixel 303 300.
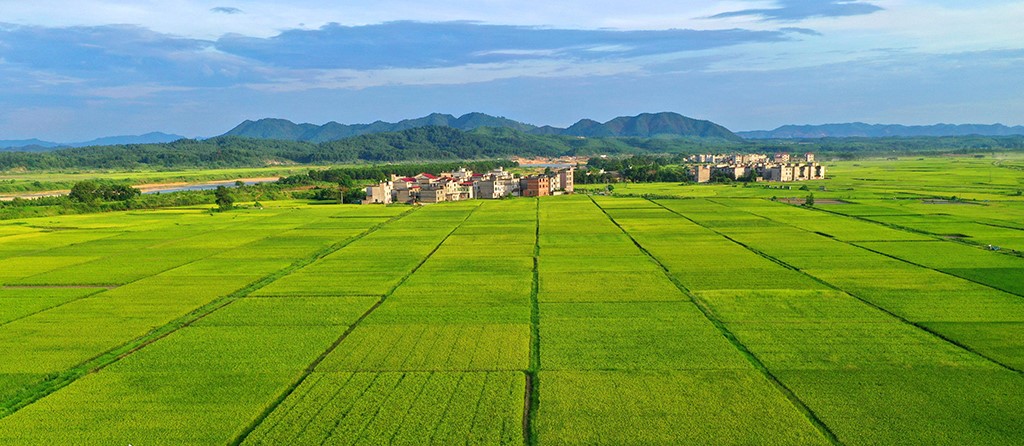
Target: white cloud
pixel 132 91
pixel 304 80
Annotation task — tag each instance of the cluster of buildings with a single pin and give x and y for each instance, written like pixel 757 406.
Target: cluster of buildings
pixel 780 167
pixel 546 161
pixel 464 184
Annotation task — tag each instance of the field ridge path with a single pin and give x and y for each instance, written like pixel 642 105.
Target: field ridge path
pixel 531 398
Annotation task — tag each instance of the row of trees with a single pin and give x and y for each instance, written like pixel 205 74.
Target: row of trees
pixel 636 169
pixel 445 143
pixel 93 191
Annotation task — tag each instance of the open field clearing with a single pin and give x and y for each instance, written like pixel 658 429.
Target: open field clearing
pixel 718 319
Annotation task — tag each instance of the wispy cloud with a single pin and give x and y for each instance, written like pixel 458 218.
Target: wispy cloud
pixel 794 10
pixel 433 45
pixel 119 62
pixel 804 31
pixel 116 55
pixel 226 10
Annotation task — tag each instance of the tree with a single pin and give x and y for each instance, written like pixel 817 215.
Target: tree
pixel 809 201
pixel 118 192
pixel 225 202
pixel 85 192
pixel 353 195
pixel 328 194
pixel 610 188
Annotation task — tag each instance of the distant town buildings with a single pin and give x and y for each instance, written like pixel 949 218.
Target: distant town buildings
pixel 463 184
pixel 757 167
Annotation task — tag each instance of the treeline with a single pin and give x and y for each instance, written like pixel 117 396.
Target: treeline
pixel 853 148
pixel 355 176
pixel 413 145
pixel 636 169
pixel 445 143
pixel 93 196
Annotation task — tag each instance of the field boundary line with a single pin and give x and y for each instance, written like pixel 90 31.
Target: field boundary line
pixel 793 399
pixel 880 308
pixel 900 259
pixel 101 361
pixel 44 250
pixel 98 291
pixel 937 237
pixel 531 399
pixel 910 262
pixel 112 286
pixel 330 349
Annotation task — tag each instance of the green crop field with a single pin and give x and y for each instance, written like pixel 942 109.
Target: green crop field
pixel 888 313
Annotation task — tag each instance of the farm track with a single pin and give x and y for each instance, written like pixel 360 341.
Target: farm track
pixel 859 298
pixel 756 362
pixel 316 362
pixel 101 361
pixel 532 397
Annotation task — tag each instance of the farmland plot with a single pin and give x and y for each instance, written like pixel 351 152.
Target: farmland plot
pixel 818 342
pixel 640 354
pixel 442 359
pixel 230 358
pixel 563 320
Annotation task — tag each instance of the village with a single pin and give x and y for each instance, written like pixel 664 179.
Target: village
pixel 499 183
pixel 781 167
pixel 464 184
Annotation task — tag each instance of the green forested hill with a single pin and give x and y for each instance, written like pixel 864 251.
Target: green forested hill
pixel 446 143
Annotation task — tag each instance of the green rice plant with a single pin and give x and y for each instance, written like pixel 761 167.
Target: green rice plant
pixel 554 263
pixel 144 408
pixel 399 408
pixel 289 311
pixel 115 270
pixel 232 349
pixel 619 286
pixel 17 303
pixel 667 407
pixel 930 405
pixel 340 283
pixel 945 255
pixel 632 336
pixel 434 347
pixel 998 340
pixel 472 311
pixel 832 345
pixel 13 269
pixel 789 306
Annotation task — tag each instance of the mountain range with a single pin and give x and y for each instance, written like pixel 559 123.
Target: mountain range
pixel 665 125
pixel 646 125
pixel 860 129
pixel 36 145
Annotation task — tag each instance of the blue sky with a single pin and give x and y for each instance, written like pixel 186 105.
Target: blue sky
pixel 88 68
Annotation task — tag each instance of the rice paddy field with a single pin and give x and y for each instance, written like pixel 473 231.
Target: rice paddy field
pixel 695 315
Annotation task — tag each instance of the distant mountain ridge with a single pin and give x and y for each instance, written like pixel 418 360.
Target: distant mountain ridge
pixel 646 125
pixel 664 125
pixel 860 129
pixel 35 145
